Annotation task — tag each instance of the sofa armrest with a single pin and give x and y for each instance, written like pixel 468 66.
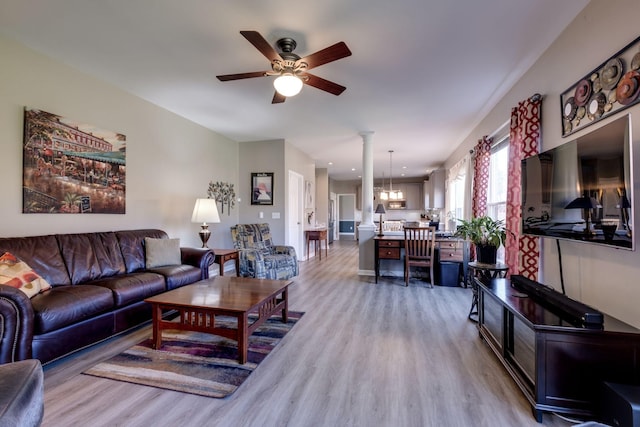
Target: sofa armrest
pixel 198 257
pixel 16 334
pixel 286 250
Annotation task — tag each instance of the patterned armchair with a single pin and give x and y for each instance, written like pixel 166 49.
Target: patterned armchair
pixel 259 257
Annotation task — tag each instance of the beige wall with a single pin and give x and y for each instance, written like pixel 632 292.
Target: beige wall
pixel 605 278
pixel 170 160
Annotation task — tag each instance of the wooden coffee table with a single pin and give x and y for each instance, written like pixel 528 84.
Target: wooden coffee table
pixel 198 305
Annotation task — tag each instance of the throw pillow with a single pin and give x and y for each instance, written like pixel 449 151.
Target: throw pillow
pixel 162 252
pixel 17 274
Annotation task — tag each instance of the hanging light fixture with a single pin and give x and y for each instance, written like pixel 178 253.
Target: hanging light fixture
pixel 288 84
pixel 384 195
pixel 393 195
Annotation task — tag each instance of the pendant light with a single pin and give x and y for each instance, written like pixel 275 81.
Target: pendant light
pixel 393 195
pixel 383 194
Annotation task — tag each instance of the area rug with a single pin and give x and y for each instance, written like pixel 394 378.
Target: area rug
pixel 195 362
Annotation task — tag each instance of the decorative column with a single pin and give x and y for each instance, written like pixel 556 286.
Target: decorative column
pixel 367 229
pixel 367 178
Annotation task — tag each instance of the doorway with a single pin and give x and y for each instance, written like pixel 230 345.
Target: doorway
pixel 346 216
pixel 295 232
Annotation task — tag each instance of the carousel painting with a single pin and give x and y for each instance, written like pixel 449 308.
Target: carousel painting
pixel 71 167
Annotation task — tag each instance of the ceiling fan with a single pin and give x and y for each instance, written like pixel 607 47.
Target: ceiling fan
pixel 290 68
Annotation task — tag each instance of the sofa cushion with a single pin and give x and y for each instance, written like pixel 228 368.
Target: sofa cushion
pixel 132 247
pixel 81 259
pixel 179 275
pixel 17 274
pixel 63 305
pixel 130 288
pixel 161 252
pixel 108 253
pixel 42 254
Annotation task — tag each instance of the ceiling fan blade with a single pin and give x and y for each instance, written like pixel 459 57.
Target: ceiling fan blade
pixel 278 98
pixel 329 54
pixel 322 84
pixel 227 77
pixel 261 44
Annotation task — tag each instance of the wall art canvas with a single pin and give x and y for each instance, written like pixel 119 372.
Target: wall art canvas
pixel 70 167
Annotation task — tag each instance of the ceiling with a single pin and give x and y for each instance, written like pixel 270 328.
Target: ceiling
pixel 422 75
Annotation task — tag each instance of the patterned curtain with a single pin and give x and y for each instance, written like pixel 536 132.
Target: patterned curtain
pixel 522 252
pixel 482 161
pixel 481 164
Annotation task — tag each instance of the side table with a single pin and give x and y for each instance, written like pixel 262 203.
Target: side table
pixel 483 272
pixel 221 256
pixel 317 236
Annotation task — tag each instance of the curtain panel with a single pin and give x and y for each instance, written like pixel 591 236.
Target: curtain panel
pixel 482 159
pixel 522 253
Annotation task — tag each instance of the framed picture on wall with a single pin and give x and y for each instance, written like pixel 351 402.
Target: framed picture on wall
pixel 308 195
pixel 262 188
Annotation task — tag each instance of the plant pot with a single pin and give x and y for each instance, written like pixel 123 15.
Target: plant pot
pixel 486 254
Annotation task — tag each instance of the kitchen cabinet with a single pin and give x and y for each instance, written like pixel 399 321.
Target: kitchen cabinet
pixel 413 195
pixel 434 190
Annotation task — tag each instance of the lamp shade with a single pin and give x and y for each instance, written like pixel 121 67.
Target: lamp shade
pixel 205 210
pixel 288 85
pixel 583 202
pixel 380 209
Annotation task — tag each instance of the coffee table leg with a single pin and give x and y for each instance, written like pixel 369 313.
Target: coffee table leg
pixel 157 333
pixel 243 338
pixel 285 310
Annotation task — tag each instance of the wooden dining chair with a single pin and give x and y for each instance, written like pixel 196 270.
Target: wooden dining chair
pixel 419 243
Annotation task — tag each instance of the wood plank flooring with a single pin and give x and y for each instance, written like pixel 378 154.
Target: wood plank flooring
pixel 363 355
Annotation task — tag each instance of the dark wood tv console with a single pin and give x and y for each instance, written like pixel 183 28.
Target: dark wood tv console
pixel 560 366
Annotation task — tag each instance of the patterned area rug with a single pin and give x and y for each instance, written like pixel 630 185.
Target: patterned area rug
pixel 194 362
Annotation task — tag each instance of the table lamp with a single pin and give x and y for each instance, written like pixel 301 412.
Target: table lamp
pixel 587 203
pixel 205 210
pixel 380 210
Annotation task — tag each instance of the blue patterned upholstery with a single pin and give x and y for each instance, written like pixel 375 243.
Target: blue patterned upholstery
pixel 259 257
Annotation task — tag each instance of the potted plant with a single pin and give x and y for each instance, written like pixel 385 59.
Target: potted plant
pixel 486 233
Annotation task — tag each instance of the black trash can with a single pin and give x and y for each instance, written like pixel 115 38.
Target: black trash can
pixel 449 273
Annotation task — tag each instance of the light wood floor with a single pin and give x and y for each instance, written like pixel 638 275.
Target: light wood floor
pixel 363 355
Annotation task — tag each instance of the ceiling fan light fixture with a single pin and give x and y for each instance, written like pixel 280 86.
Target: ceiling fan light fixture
pixel 288 85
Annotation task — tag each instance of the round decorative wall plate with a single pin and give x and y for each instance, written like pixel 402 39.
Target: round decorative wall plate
pixel 628 88
pixel 583 92
pixel 635 62
pixel 596 106
pixel 570 108
pixel 611 73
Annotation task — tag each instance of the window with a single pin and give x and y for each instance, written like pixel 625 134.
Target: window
pixel 497 191
pixel 457 191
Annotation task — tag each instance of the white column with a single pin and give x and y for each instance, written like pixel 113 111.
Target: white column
pixel 367 178
pixel 367 229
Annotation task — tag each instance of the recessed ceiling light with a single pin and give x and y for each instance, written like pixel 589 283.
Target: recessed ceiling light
pixel 353 169
pixel 330 163
pixel 404 167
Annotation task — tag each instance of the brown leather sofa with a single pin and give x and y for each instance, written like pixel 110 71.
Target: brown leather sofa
pixel 99 283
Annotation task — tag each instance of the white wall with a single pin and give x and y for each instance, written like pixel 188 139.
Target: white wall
pixel 170 160
pixel 605 278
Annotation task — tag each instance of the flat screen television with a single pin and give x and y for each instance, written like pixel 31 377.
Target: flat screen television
pixel 582 189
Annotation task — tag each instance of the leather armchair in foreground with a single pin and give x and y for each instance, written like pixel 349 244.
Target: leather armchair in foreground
pixel 21 394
